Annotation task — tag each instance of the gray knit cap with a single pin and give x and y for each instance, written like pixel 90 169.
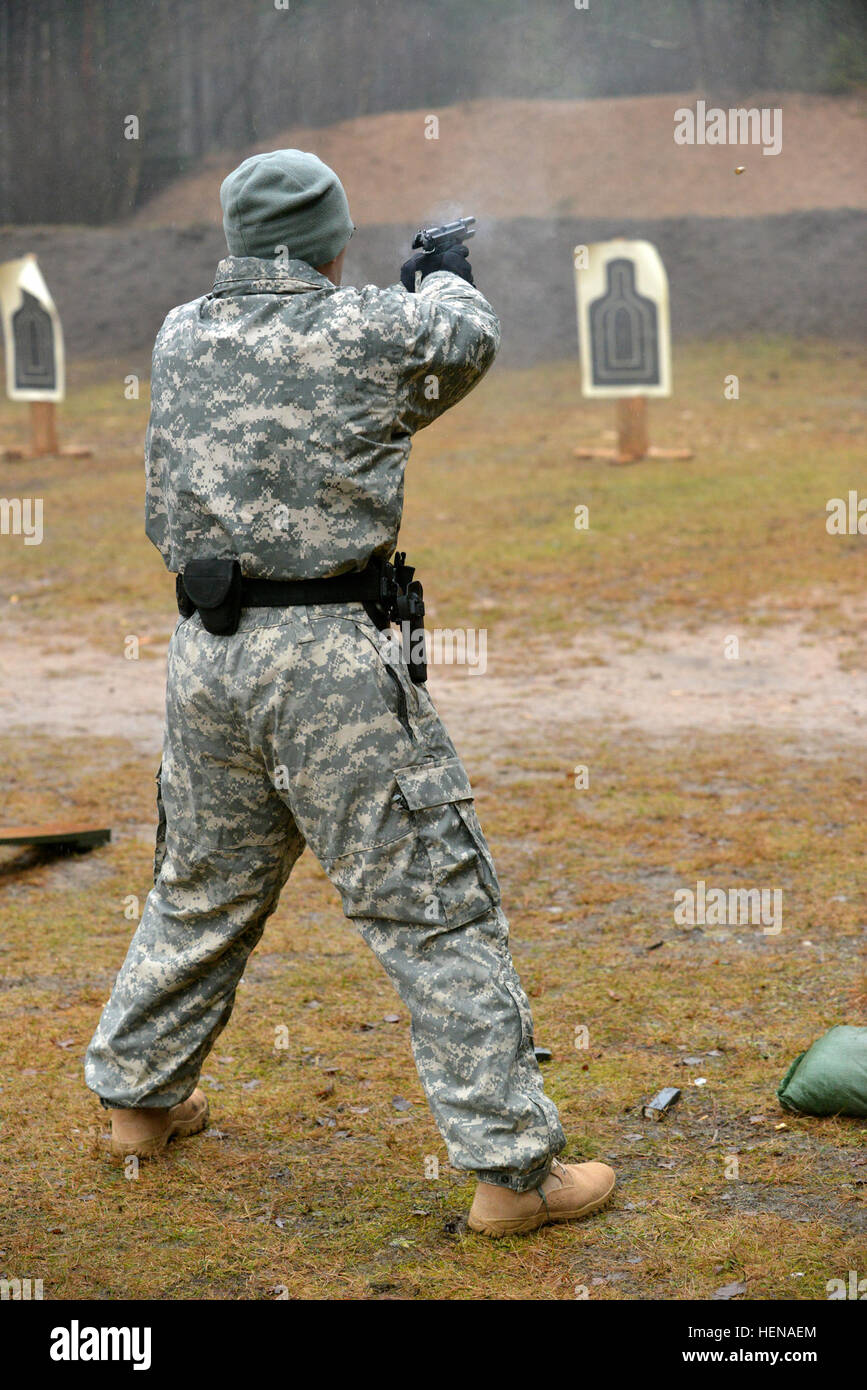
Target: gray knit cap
pixel 285 198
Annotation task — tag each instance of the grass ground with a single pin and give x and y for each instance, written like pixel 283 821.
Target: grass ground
pixel 311 1182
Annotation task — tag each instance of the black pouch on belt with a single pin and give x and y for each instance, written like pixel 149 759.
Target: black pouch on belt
pixel 214 587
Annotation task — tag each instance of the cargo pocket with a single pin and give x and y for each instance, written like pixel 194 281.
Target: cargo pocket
pixel 440 872
pixel 160 849
pixel 439 799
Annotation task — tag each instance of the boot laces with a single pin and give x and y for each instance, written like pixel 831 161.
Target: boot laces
pixel 555 1165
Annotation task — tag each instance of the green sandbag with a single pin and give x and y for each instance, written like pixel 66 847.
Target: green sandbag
pixel 831 1078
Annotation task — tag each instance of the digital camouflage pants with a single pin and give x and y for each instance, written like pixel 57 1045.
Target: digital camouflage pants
pixel 304 728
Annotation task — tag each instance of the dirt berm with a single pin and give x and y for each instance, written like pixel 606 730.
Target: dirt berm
pixel 793 274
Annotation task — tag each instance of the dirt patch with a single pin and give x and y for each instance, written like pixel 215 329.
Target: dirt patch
pixel 783 680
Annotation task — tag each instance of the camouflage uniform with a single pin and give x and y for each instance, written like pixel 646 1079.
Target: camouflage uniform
pixel 282 413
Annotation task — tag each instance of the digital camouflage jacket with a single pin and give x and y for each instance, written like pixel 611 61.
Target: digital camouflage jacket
pixel 283 407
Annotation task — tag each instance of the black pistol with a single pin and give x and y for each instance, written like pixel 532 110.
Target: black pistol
pixel 441 238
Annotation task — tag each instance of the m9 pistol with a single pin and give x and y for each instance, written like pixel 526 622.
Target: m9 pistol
pixel 429 239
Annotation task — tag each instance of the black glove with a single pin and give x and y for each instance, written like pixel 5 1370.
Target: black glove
pixel 454 258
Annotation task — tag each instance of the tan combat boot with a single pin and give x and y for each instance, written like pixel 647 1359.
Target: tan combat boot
pixel 145 1133
pixel 569 1191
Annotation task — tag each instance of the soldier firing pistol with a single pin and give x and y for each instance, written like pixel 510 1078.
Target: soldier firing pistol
pixel 283 407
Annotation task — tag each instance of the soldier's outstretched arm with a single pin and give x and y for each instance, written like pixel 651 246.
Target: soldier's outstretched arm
pixel 450 338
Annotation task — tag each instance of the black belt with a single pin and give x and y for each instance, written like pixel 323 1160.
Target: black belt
pixel 358 586
pixel 218 590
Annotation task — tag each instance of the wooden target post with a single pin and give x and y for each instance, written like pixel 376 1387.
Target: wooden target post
pixel 625 340
pixel 43 437
pixel 632 437
pixel 35 372
pixel 43 427
pixel 35 361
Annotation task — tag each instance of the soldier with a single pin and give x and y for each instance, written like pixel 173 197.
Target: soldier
pixel 282 412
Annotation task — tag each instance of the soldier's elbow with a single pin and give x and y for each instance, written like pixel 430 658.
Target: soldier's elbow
pixel 489 345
